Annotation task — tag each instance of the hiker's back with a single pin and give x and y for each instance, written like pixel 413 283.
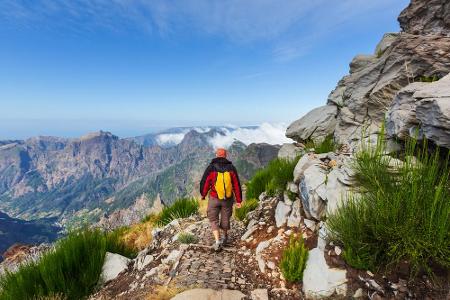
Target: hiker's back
pixel 223 184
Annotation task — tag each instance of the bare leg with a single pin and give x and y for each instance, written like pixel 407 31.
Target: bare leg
pixel 216 235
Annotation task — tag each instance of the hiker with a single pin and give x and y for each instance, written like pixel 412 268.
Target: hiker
pixel 222 180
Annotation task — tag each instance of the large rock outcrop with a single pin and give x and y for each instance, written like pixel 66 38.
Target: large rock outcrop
pixel 362 98
pixel 316 124
pixel 422 109
pixel 426 17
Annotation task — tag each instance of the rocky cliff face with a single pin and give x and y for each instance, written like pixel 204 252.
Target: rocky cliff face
pixel 71 174
pixel 423 110
pixel 357 106
pixel 426 17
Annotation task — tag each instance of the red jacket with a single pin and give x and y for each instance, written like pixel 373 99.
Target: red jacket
pixel 209 178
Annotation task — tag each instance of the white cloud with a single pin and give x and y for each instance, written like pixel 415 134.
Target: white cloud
pixel 169 139
pixel 202 129
pixel 265 133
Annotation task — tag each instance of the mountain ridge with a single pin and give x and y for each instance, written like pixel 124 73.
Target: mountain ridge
pixel 84 179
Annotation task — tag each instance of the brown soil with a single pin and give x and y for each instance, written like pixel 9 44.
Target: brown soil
pixel 420 287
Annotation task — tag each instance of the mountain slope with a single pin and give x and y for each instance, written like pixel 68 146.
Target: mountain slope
pixel 84 179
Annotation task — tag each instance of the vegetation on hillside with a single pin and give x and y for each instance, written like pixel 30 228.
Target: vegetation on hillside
pixel 402 212
pixel 247 206
pixel 187 238
pixel 322 146
pixel 181 208
pixel 272 179
pixel 71 270
pixel 293 259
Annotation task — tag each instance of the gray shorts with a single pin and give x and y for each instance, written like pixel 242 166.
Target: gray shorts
pixel 217 207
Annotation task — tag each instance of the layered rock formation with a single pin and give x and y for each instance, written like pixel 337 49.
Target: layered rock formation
pixel 361 99
pixel 422 110
pixel 426 17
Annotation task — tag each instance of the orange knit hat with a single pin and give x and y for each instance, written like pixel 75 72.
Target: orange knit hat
pixel 220 152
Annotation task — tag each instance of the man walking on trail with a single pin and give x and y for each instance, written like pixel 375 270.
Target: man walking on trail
pixel 222 181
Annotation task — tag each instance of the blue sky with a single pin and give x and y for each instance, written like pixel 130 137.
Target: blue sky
pixel 130 66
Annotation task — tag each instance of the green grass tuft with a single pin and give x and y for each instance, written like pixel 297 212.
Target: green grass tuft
pixel 71 270
pixel 401 214
pixel 428 78
pixel 181 208
pixel 115 244
pixel 324 146
pixel 272 179
pixel 187 238
pixel 293 260
pixel 247 206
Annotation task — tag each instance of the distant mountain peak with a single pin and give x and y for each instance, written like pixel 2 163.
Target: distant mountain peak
pixel 98 134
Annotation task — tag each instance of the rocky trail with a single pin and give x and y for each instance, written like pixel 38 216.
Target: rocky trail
pixel 197 266
pixel 249 267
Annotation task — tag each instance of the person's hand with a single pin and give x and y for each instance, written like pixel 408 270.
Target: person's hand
pixel 238 205
pixel 203 198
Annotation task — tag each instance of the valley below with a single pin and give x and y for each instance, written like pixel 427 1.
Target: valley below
pixel 101 178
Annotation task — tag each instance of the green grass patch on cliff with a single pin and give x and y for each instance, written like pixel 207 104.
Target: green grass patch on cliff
pixel 181 208
pixel 402 212
pixel 322 146
pixel 72 269
pixel 272 179
pixel 187 238
pixel 247 206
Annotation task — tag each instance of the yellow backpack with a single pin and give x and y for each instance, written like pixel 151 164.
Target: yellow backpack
pixel 223 185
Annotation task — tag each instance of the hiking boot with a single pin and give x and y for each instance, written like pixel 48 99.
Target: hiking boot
pixel 217 245
pixel 224 240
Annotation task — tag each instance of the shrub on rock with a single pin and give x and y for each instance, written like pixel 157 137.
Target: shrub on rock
pixel 71 270
pixel 401 214
pixel 272 179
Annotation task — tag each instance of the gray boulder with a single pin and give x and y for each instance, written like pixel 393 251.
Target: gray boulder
pixel 290 151
pixel 312 190
pixel 422 108
pixel 321 281
pixel 322 186
pixel 281 213
pixel 114 265
pixel 433 111
pixel 305 162
pixel 336 190
pixel 401 117
pixel 434 114
pixel 315 125
pixel 295 217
